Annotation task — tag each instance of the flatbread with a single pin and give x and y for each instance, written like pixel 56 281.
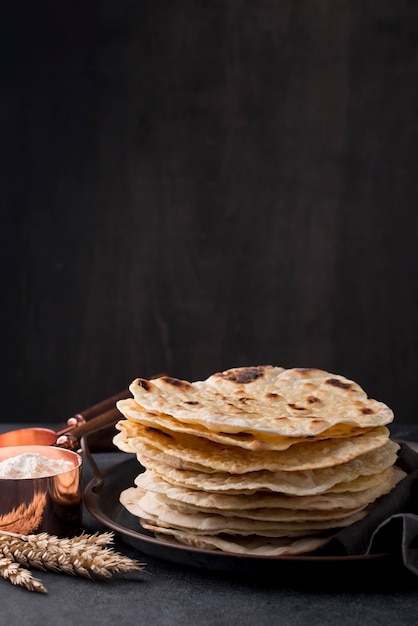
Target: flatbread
pixel 251 546
pixel 263 400
pixel 205 455
pixel 307 482
pixel 136 416
pixel 150 509
pixel 255 460
pixel 330 500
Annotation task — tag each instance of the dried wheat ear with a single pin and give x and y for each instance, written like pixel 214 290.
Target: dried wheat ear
pixel 86 555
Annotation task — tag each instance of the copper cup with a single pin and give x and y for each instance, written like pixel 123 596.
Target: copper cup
pixel 51 504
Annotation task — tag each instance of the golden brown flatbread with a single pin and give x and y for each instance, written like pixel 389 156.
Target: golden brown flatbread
pixel 199 453
pixel 151 510
pixel 255 460
pixel 294 402
pixel 306 482
pixel 137 416
pixel 253 545
pixel 329 500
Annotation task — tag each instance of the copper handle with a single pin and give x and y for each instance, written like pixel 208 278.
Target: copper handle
pixel 93 411
pixel 71 439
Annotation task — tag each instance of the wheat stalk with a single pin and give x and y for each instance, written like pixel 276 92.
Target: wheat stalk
pixel 17 575
pixel 84 555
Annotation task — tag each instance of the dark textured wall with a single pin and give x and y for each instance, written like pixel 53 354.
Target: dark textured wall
pixel 191 186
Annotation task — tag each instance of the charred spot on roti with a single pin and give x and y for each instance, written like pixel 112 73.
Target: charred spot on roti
pixel 295 407
pixel 144 384
pixel 336 382
pixel 312 399
pixel 176 382
pixel 244 375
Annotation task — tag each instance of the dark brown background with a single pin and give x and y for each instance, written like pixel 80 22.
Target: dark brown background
pixel 194 185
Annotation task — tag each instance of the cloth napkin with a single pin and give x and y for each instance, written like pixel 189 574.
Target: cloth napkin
pixel 391 526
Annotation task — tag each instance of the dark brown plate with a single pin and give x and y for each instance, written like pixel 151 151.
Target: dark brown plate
pixel 102 501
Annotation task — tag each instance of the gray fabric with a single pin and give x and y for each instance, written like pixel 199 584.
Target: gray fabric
pixel 392 526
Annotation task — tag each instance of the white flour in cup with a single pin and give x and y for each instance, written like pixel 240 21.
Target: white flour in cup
pixel 33 465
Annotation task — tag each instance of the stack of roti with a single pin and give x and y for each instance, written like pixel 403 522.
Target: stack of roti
pixel 259 460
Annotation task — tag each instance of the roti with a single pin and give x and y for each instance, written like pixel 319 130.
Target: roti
pixel 307 482
pixel 255 460
pixel 330 500
pixel 205 455
pixel 150 509
pixel 295 402
pixel 136 416
pixel 253 546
